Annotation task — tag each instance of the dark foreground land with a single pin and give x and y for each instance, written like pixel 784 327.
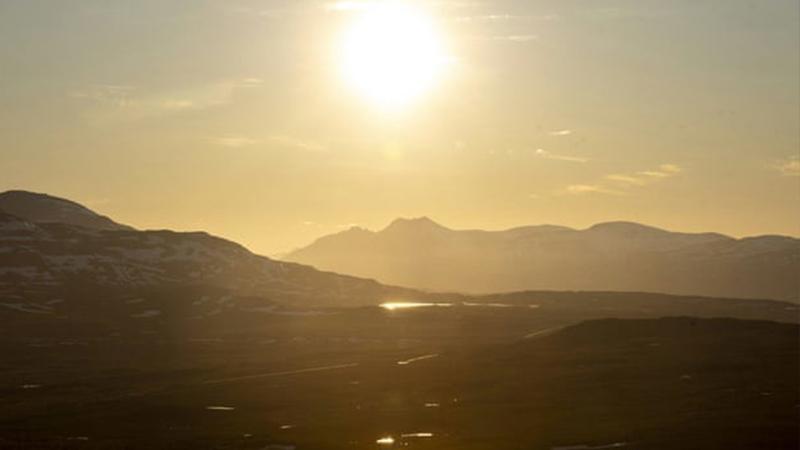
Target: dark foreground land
pixel 513 372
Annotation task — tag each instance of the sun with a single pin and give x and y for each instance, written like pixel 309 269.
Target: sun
pixel 392 54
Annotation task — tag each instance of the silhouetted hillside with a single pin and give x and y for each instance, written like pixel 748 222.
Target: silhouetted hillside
pixel 43 208
pixel 615 256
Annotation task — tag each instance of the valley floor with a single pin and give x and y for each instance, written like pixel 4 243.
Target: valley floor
pixel 444 378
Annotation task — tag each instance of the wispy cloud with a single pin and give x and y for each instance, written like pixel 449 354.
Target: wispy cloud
pixel 355 5
pixel 560 133
pixel 503 17
pixel 108 94
pixel 646 176
pixel 591 189
pixel 202 96
pixel 789 167
pixel 298 143
pixel 671 168
pixel 178 105
pixel 120 102
pixel 488 18
pixel 547 155
pixel 625 183
pixel 280 140
pixel 346 6
pixel 250 82
pixel 459 3
pixel 625 179
pixel 234 141
pixel 511 38
pixel 289 10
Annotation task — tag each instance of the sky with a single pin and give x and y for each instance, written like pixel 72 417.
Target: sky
pixel 234 116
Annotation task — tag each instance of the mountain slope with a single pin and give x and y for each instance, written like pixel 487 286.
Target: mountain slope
pixel 53 268
pixel 43 208
pixel 619 256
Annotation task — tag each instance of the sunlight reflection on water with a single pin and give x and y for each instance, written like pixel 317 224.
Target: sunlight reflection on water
pixel 388 440
pixel 391 306
pixel 417 435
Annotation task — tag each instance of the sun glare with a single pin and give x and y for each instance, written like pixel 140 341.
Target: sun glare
pixel 392 54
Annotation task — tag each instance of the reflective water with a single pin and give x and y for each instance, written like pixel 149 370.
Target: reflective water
pixel 390 441
pixel 417 435
pixel 417 358
pixel 591 447
pixel 489 305
pixel 391 306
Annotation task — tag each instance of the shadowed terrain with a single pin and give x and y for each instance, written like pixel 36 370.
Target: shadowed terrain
pixel 433 378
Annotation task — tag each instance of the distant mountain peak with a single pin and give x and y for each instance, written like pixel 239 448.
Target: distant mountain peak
pixel 626 228
pixel 423 223
pixel 43 208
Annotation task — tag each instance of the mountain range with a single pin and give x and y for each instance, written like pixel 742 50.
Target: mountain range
pixel 62 262
pixel 612 256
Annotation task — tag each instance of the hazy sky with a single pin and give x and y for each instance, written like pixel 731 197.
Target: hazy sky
pixel 233 116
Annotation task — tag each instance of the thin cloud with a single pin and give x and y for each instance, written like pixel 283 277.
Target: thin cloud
pixel 235 141
pixel 790 167
pixel 624 184
pixel 625 179
pixel 346 6
pixel 250 82
pixel 292 10
pixel 121 103
pixel 459 3
pixel 488 18
pixel 298 143
pixel 178 105
pixel 514 38
pixel 579 189
pixel 503 17
pixel 560 133
pixel 671 168
pixel 547 155
pixel 202 96
pixel 654 174
pixel 108 94
pixel 664 171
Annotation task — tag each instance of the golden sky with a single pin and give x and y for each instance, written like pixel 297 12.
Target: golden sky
pixel 267 122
